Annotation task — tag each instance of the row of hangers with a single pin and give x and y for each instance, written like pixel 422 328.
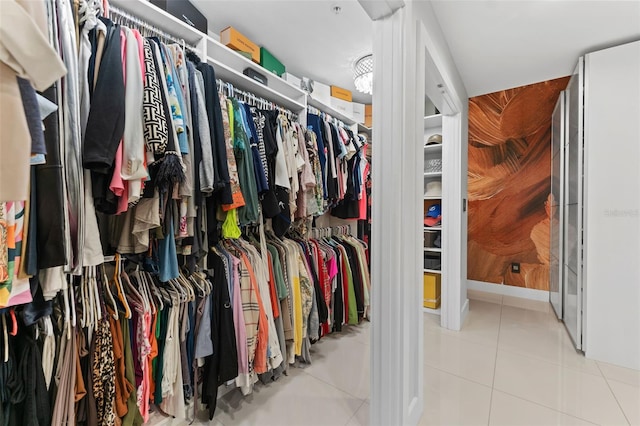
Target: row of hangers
pixel 328 232
pixel 252 99
pixel 10 328
pixel 121 288
pixel 325 116
pixel 147 30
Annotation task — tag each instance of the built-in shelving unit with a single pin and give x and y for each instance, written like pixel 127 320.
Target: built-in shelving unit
pixel 433 249
pixel 364 129
pixel 433 121
pixel 433 148
pixel 432 195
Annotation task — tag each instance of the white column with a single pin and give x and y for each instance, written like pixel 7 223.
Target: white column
pixel 396 253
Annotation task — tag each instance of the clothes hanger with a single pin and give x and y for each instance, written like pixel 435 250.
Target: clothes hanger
pixel 88 313
pixel 89 305
pixel 72 302
pixel 67 313
pixel 147 290
pixel 106 288
pixel 198 284
pixel 191 286
pixel 186 285
pixel 172 292
pixel 130 289
pixel 155 291
pixel 84 321
pixel 120 288
pixel 140 289
pixel 182 292
pixel 178 293
pixel 96 294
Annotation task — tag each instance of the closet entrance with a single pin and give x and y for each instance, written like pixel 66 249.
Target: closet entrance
pixel 444 197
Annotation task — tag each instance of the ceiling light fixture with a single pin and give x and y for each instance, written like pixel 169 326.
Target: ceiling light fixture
pixel 363 74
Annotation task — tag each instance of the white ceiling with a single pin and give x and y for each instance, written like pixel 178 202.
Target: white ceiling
pixel 496 44
pixel 504 44
pixel 305 35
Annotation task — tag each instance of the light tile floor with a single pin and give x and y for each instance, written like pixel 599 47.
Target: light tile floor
pixel 512 364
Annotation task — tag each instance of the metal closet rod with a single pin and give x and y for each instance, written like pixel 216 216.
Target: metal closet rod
pixel 315 111
pixel 125 18
pixel 253 99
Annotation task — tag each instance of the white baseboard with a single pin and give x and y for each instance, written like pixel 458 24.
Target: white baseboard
pixel 509 290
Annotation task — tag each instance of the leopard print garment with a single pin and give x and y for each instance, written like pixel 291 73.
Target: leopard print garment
pixel 104 375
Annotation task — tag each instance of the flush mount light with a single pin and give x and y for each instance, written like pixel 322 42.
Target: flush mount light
pixel 363 74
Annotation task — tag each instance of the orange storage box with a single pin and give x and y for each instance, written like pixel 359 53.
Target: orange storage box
pixel 340 93
pixel 234 39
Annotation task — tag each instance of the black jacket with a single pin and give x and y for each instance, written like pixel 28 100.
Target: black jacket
pixel 49 195
pixel 222 366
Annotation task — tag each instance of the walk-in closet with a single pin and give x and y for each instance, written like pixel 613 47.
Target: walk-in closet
pixel 180 229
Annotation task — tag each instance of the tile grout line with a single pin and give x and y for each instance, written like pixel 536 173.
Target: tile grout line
pixel 495 362
pixel 334 386
pixel 548 361
pixel 459 338
pixel 606 380
pixel 354 413
pixel 457 376
pixel 546 406
pixel 552 363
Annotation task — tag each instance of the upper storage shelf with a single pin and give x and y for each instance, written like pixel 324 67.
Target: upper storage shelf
pixel 160 19
pixel 230 65
pixel 241 81
pixel 364 129
pixel 330 110
pixel 433 121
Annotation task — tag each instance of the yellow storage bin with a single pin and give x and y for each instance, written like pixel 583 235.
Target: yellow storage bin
pixel 432 285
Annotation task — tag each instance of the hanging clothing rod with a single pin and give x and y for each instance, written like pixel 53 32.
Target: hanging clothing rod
pixel 124 18
pixel 315 111
pixel 253 99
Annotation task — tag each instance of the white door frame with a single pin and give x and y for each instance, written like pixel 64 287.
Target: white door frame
pixel 403 57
